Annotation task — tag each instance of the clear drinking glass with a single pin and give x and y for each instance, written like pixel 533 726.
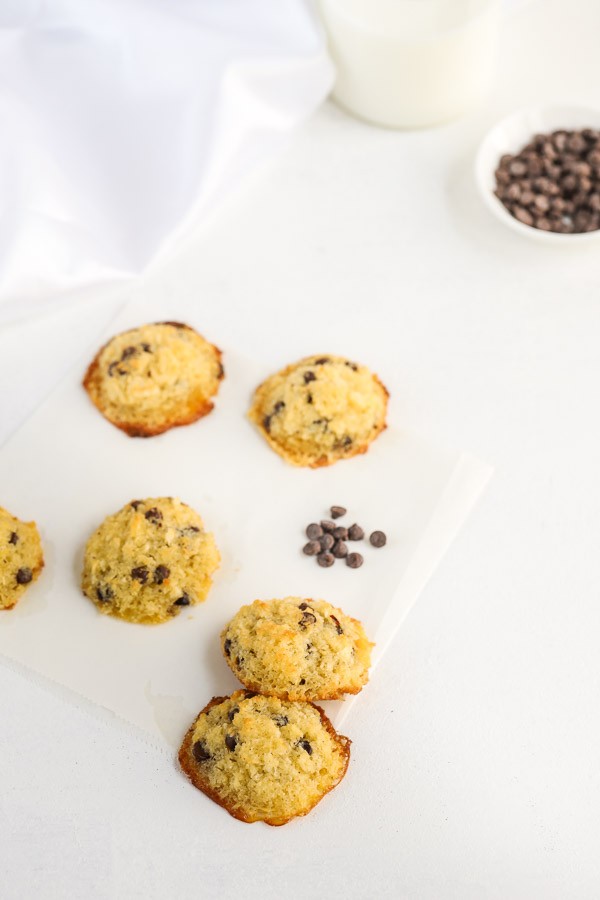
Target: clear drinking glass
pixel 410 63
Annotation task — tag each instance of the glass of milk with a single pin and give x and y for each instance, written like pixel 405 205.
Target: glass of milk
pixel 410 63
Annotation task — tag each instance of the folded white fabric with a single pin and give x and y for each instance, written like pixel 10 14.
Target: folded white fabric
pixel 124 121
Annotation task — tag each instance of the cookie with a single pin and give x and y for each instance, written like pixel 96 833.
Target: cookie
pixel 262 759
pixel 153 378
pixel 149 561
pixel 21 557
pixel 297 649
pixel 320 410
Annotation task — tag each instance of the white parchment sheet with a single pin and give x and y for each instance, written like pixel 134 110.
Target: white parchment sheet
pixel 68 468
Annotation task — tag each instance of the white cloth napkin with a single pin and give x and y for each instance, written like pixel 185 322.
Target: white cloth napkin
pixel 124 121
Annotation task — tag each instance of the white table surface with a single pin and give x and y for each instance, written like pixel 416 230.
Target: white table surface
pixel 475 758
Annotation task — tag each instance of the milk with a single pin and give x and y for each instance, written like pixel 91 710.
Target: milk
pixel 410 63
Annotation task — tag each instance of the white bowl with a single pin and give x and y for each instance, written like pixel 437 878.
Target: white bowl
pixel 510 136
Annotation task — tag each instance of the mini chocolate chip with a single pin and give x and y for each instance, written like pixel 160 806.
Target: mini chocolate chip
pixel 309 376
pixel 307 619
pixel 184 600
pixel 267 423
pixel 232 713
pixel 354 560
pixel 325 559
pixel 304 605
pixel 135 503
pixel 324 422
pixel 153 515
pixel 347 440
pixel 338 511
pixel 278 406
pixel 127 352
pixel 355 533
pixel 146 348
pixel 140 573
pixel 161 573
pixel 340 533
pixel 238 661
pixel 312 548
pixel 104 593
pixel 227 647
pixel 340 550
pixel 281 720
pixel 305 746
pixel 14 538
pixel 338 627
pixel 352 365
pixel 302 681
pixel 309 398
pixel 327 525
pixel 322 361
pixel 314 531
pixel 24 575
pixel 378 539
pixel 200 751
pixel 327 541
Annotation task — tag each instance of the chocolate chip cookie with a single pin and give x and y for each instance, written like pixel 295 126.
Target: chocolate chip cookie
pixel 149 561
pixel 21 558
pixel 320 410
pixel 153 378
pixel 297 649
pixel 263 759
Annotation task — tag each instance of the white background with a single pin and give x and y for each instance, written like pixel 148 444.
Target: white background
pixel 475 758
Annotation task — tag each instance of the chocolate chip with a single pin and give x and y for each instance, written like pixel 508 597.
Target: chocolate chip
pixel 327 525
pixel 153 515
pixel 232 713
pixel 231 742
pixel 14 538
pixel 307 619
pixel 146 348
pixel 24 575
pixel 304 605
pixel 312 548
pixel 327 542
pixel 305 746
pixel 140 573
pixel 340 550
pixel 355 533
pixel 281 720
pixel 347 440
pixel 238 661
pixel 352 366
pixel 267 424
pixel 340 533
pixel 135 504
pixel 200 751
pixel 378 539
pixel 322 361
pixel 250 694
pixel 104 593
pixel 189 529
pixel 111 369
pixel 309 398
pixel 161 573
pixel 127 352
pixel 227 647
pixel 354 560
pixel 338 627
pixel 325 560
pixel 278 406
pixel 302 681
pixel 184 600
pixel 314 531
pixel 309 376
pixel 338 511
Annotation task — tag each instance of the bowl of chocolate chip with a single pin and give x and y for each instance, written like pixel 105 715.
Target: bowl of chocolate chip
pixel 538 171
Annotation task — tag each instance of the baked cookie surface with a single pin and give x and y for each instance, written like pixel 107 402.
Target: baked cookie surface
pixel 153 378
pixel 319 410
pixel 263 759
pixel 21 557
pixel 297 649
pixel 149 561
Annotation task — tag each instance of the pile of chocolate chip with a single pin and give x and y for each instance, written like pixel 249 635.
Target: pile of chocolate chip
pixel 554 182
pixel 327 541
